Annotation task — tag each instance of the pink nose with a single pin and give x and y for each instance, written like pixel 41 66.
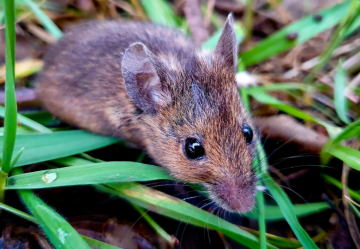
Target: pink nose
pixel 237 198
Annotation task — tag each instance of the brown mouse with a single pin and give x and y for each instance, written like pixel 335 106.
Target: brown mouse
pixel 147 84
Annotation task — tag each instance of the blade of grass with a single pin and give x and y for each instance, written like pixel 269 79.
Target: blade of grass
pixel 260 202
pixel 179 210
pixel 44 19
pixel 90 241
pixel 59 232
pixel 94 173
pixel 338 184
pixel 306 28
pixel 10 122
pixel 355 209
pixel 339 93
pixel 336 38
pixel 43 118
pixel 161 232
pixel 286 207
pixel 160 12
pixel 27 122
pixel 348 155
pixel 273 213
pixel 43 147
pixel 168 206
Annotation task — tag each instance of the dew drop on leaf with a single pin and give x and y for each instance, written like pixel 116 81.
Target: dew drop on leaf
pixel 49 177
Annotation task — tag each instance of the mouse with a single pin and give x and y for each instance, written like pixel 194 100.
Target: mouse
pixel 151 86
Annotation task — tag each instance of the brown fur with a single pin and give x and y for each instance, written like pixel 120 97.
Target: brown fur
pixel 82 83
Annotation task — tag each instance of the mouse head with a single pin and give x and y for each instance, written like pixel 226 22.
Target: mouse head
pixel 194 121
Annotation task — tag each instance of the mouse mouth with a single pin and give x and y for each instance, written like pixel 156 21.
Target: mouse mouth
pixel 233 197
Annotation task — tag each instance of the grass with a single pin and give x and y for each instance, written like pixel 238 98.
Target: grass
pixel 58 148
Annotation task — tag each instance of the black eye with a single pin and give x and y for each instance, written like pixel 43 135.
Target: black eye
pixel 194 149
pixel 248 133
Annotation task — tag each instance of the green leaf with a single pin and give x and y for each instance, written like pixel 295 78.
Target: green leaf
pixel 16 158
pixel 306 28
pixel 265 98
pixel 90 241
pixel 352 130
pixel 210 44
pixel 10 100
pixel 27 122
pixel 260 203
pixel 179 210
pixel 160 12
pixel 44 19
pixel 43 118
pixel 43 147
pixel 355 209
pixel 95 173
pixel 339 93
pixel 273 213
pixel 348 155
pixel 338 184
pixel 60 233
pixel 286 208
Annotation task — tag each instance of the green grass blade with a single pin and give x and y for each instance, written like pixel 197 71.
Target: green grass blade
pixel 286 207
pixel 265 98
pixel 91 242
pixel 27 122
pixel 339 93
pixel 60 233
pixel 338 184
pixel 159 230
pixel 10 122
pixel 18 213
pixel 16 158
pixel 43 147
pixel 95 173
pixel 166 205
pixel 41 117
pixel 355 209
pixel 44 19
pixel 160 12
pixel 348 155
pixel 179 210
pixel 273 213
pixel 98 244
pixel 352 130
pixel 306 28
pixel 260 203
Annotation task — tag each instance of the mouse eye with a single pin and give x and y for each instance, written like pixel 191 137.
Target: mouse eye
pixel 194 149
pixel 248 133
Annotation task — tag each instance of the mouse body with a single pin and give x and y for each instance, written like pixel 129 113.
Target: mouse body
pixel 149 85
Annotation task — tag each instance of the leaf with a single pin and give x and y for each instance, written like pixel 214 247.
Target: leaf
pixel 27 122
pixel 60 233
pixel 260 203
pixel 10 122
pixel 306 28
pixel 273 213
pixel 339 93
pixel 286 208
pixel 16 158
pixel 179 210
pixel 94 173
pixel 43 147
pixel 160 12
pixel 352 130
pixel 348 155
pixel 90 241
pixel 338 184
pixel 44 19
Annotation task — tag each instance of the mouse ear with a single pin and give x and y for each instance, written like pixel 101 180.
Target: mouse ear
pixel 226 49
pixel 142 82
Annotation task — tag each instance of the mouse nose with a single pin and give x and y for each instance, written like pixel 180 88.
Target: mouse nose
pixel 236 197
